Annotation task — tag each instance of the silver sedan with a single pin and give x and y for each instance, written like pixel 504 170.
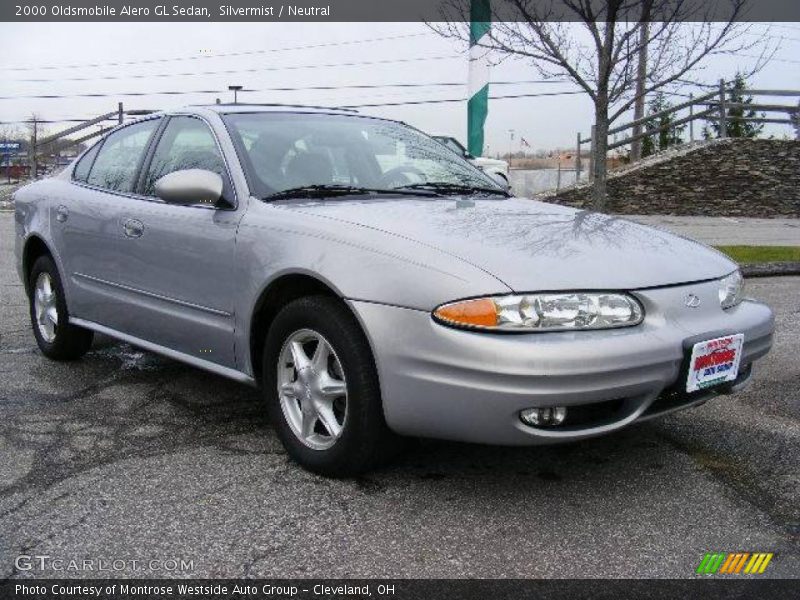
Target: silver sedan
pixel 375 285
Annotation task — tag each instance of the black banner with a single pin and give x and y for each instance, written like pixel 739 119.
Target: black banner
pixel 397 589
pixel 380 10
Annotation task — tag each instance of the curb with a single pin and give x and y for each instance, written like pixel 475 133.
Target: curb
pixel 770 269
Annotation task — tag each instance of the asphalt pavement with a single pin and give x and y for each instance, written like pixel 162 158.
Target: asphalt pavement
pixel 128 456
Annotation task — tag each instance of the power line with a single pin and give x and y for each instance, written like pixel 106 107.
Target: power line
pixel 779 37
pixel 111 95
pixel 762 32
pixel 783 60
pixel 272 89
pixel 249 70
pixel 452 100
pixel 369 105
pixel 176 93
pixel 224 55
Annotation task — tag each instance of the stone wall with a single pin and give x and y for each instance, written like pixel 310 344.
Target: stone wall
pixel 734 177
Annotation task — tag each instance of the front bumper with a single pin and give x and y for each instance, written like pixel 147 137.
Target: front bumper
pixel 446 383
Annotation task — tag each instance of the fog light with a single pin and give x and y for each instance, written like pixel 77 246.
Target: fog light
pixel 547 416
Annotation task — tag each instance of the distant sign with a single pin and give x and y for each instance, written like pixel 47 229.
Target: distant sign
pixel 6 147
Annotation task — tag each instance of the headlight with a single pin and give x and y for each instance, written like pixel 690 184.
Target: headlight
pixel 731 290
pixel 543 312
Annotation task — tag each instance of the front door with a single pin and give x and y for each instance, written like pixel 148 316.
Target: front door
pixel 177 265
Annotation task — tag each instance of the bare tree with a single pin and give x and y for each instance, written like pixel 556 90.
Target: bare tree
pixel 10 133
pixel 599 49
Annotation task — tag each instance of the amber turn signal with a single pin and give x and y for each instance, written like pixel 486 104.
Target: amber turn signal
pixel 481 312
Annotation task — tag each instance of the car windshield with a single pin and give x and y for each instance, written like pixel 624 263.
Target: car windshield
pixel 287 151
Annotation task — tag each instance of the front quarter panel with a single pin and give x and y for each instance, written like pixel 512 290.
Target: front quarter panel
pixel 358 263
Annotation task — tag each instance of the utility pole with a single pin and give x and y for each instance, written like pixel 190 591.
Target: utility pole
pixel 641 77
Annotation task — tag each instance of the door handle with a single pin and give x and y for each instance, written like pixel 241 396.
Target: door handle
pixel 133 228
pixel 62 213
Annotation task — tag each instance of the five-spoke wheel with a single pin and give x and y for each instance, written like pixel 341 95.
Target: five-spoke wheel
pixel 55 336
pixel 44 306
pixel 322 388
pixel 312 389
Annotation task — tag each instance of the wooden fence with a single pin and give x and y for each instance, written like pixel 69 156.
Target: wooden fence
pixel 712 106
pixel 117 117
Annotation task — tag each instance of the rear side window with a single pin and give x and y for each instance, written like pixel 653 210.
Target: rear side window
pixel 118 160
pixel 81 171
pixel 187 143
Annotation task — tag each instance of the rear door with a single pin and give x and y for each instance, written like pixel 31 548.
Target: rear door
pixel 177 265
pixel 85 221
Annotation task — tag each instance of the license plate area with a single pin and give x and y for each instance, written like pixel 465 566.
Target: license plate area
pixel 714 362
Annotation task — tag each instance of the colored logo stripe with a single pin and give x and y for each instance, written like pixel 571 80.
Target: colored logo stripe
pixel 734 563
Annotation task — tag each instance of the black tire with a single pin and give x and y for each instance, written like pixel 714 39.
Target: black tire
pixel 70 342
pixel 365 441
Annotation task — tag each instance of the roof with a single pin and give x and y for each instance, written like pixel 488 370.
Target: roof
pixel 242 107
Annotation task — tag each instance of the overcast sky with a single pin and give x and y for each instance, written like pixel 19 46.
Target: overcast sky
pixel 545 122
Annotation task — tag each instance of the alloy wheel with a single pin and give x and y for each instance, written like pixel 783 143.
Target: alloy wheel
pixel 45 307
pixel 312 389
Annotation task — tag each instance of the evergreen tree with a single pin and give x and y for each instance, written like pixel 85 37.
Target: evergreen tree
pixel 666 137
pixel 735 124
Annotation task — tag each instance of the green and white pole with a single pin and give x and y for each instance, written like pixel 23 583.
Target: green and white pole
pixel 478 85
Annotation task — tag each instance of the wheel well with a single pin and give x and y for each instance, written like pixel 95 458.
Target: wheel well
pixel 34 248
pixel 278 294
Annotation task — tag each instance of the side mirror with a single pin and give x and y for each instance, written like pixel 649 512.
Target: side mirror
pixel 190 186
pixel 499 179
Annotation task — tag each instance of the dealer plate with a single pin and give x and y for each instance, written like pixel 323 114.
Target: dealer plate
pixel 714 362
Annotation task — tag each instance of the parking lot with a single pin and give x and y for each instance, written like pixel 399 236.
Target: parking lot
pixel 128 456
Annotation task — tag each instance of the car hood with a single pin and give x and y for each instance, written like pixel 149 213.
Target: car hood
pixel 531 245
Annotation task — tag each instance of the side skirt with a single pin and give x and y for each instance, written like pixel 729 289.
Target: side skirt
pixel 168 352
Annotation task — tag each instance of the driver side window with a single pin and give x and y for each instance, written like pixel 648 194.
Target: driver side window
pixel 187 143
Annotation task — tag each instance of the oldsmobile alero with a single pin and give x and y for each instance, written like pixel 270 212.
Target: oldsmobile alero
pixel 375 285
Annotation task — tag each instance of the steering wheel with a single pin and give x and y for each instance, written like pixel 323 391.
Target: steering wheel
pixel 398 177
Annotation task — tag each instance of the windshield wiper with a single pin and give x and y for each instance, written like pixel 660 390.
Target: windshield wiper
pixel 328 190
pixel 443 187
